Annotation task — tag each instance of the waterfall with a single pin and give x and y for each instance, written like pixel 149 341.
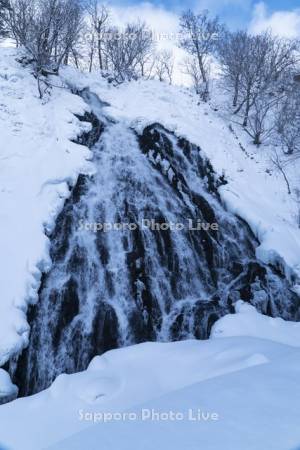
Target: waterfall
pixel 138 282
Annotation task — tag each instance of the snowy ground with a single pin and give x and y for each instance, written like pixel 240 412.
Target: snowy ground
pixel 258 409
pixel 244 392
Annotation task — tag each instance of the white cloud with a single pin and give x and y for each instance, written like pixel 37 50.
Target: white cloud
pixel 216 6
pixel 158 18
pixel 283 23
pixel 163 23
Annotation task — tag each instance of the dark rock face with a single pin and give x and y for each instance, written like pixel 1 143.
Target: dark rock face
pixel 89 138
pixel 113 288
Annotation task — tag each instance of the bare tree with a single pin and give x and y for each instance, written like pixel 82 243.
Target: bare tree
pixel 191 68
pixel 280 164
pixel 147 64
pixel 278 65
pixel 198 36
pixel 288 122
pixel 287 133
pixel 255 70
pixel 18 19
pixel 232 48
pixel 265 63
pixel 128 50
pixel 261 122
pixel 48 29
pixel 69 31
pixel 91 43
pixel 253 73
pixel 297 201
pixel 99 19
pixel 164 66
pixel 4 6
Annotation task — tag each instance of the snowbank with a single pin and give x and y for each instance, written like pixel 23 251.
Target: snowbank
pixel 122 380
pixel 248 322
pixel 38 162
pixel 257 409
pixel 232 393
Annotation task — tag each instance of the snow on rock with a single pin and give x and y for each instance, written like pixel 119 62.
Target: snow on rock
pixel 248 322
pixel 122 379
pixel 252 192
pixel 38 162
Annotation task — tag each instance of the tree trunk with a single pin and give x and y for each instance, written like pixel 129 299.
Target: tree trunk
pixel 91 55
pixel 202 70
pixel 100 54
pixel 247 109
pixel 285 179
pixel 257 140
pixel 236 92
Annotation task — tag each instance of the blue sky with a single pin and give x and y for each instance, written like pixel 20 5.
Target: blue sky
pixel 282 17
pixel 235 12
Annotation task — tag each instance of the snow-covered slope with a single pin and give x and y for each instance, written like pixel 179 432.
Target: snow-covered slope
pixel 246 389
pixel 37 163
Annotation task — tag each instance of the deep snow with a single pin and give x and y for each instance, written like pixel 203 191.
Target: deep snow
pixel 258 409
pixel 248 322
pixel 250 383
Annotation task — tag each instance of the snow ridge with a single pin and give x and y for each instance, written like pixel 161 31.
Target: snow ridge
pixel 38 164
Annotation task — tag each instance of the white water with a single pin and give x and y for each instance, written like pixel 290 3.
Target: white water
pixel 120 287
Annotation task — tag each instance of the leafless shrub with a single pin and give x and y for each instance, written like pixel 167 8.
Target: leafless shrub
pixel 199 34
pixel 164 66
pixel 255 69
pixel 48 29
pixel 288 123
pixel 232 48
pixel 280 163
pixel 4 5
pixel 128 50
pixel 98 21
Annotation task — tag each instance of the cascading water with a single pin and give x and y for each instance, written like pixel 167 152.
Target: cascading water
pixel 113 288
